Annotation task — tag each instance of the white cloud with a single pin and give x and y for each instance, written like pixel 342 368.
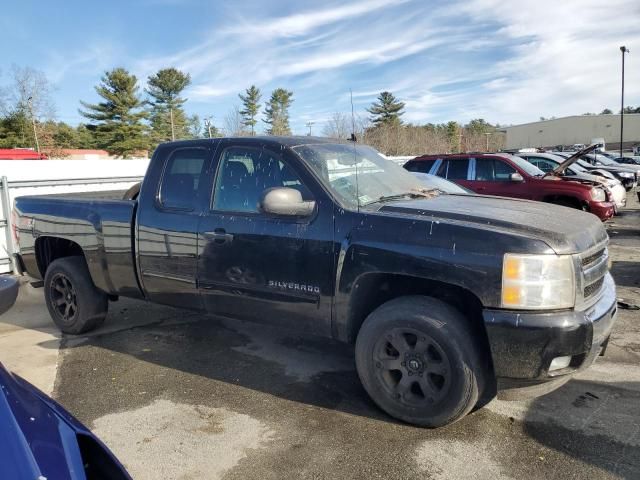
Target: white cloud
pixel 301 23
pixel 507 62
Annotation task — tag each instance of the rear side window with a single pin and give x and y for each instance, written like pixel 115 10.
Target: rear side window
pixel 457 169
pixel 182 174
pixel 423 166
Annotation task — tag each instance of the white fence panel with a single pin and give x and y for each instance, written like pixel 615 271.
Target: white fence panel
pixel 44 177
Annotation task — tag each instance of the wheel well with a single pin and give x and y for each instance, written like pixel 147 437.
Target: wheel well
pixel 374 289
pixel 566 201
pixel 49 249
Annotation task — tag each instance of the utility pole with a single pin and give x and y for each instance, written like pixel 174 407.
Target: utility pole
pixel 309 125
pixel 487 135
pixel 173 132
pixel 207 123
pixel 624 50
pixel 33 122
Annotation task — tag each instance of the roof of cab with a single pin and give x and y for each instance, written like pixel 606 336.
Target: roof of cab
pixel 292 141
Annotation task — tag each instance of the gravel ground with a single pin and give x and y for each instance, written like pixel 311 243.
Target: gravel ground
pixel 181 395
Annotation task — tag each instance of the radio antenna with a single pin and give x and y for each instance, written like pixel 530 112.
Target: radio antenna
pixel 355 153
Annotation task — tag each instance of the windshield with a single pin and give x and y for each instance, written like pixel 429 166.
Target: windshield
pixel 574 166
pixel 605 161
pixel 583 164
pixel 359 175
pixel 434 182
pixel 526 166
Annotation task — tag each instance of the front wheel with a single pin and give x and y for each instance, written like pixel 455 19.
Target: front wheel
pixel 74 303
pixel 417 360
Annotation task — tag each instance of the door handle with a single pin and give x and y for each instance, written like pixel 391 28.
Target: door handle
pixel 219 235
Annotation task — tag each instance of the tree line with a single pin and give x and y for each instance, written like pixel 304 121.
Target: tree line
pixel 132 119
pixel 126 121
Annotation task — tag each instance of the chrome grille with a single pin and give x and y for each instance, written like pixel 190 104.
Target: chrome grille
pixel 588 260
pixel 593 288
pixel 594 268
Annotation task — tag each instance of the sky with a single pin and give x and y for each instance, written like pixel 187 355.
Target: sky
pixel 507 62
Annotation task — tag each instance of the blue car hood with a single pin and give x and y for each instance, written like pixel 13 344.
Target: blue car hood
pixel 38 438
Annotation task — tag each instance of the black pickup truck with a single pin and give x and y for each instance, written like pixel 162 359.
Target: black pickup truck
pixel 449 298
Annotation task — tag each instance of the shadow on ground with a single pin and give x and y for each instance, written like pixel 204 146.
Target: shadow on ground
pixel 276 377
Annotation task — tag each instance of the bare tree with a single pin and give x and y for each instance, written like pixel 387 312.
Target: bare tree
pixel 338 126
pixel 27 100
pixel 29 90
pixel 234 123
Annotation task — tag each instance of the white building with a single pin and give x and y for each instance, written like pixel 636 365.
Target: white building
pixel 577 129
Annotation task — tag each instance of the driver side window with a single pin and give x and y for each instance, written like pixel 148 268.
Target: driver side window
pixel 244 173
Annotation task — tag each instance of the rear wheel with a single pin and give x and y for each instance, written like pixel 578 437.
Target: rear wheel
pixel 416 359
pixel 74 303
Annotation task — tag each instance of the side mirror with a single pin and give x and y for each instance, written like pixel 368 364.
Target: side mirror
pixel 285 201
pixel 516 177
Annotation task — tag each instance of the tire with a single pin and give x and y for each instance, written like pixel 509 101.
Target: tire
pixel 417 360
pixel 74 303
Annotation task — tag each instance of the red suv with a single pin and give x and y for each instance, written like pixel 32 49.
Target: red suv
pixel 510 176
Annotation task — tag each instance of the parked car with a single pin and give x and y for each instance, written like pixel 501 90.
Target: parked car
pixel 38 438
pixel 627 174
pixel 628 160
pixel 548 162
pixel 8 292
pixel 447 297
pixel 627 178
pixel 507 175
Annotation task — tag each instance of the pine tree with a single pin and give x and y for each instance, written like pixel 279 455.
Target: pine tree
pixel 251 107
pixel 387 110
pixel 167 117
pixel 118 118
pixel 277 112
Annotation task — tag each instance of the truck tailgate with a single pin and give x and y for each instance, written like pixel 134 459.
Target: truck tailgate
pixel 102 228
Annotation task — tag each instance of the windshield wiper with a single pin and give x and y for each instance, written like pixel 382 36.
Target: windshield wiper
pixel 416 194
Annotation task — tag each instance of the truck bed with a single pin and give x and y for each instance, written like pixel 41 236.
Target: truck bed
pixel 96 222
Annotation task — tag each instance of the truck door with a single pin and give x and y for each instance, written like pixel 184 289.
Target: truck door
pixel 170 205
pixel 276 270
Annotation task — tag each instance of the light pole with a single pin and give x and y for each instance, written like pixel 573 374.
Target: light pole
pixel 33 122
pixel 173 132
pixel 487 134
pixel 624 50
pixel 207 123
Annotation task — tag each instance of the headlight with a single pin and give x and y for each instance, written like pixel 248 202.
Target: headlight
pixel 536 282
pixel 626 174
pixel 598 195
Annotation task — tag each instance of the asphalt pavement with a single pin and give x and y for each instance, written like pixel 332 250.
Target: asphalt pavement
pixel 181 395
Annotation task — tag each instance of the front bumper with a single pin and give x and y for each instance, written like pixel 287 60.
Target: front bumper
pixel 603 210
pixel 619 196
pixel 628 182
pixel 523 344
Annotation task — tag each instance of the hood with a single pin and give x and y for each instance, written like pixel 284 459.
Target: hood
pixel 560 169
pixel 591 179
pixel 564 230
pixel 40 439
